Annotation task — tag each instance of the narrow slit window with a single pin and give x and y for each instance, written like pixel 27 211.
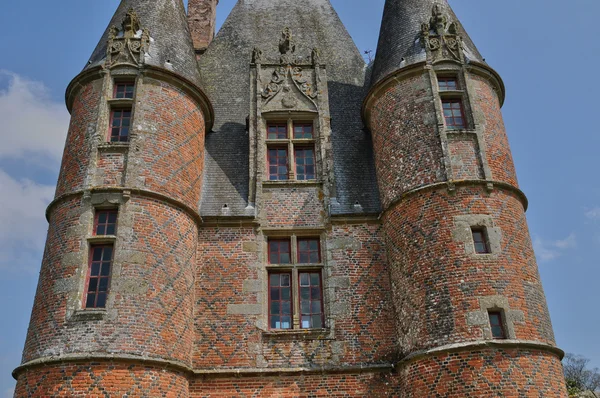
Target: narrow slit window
pixel 311 300
pixel 448 84
pixel 120 123
pixel 480 241
pixel 309 251
pixel 105 222
pixel 277 131
pixel 98 283
pixel 497 324
pixel 303 131
pixel 453 113
pixel 278 164
pixel 305 163
pixel 279 251
pixel 280 300
pixel 124 90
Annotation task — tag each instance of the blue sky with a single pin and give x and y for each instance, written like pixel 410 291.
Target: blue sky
pixel 547 52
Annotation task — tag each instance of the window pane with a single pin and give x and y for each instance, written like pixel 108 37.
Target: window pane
pixel 317 321
pixel 274 293
pixel 275 324
pixel 91 297
pixel 103 285
pixel 97 254
pixel 306 322
pixel 93 286
pixel 304 280
pixel 275 307
pixel 285 293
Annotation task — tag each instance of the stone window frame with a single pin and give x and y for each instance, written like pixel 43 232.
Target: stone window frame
pixel 487 304
pixel 91 204
pixel 115 77
pixel 92 249
pixel 295 268
pixel 452 71
pixel 291 119
pixel 463 233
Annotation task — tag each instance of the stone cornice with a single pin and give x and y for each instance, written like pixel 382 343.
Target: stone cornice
pixel 376 90
pixel 166 75
pixel 127 191
pixel 452 185
pixel 183 368
pixel 482 345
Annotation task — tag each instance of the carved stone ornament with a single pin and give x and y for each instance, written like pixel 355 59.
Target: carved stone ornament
pixel 292 70
pixel 440 36
pixel 129 44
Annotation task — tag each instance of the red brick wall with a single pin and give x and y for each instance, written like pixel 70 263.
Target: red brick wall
pixel 363 334
pixel 110 169
pixel 101 379
pixel 407 148
pixel 485 373
pixel 441 283
pixel 172 141
pixel 368 385
pixel 288 206
pixel 465 159
pixel 49 307
pixel 76 156
pixel 486 107
pixel 156 321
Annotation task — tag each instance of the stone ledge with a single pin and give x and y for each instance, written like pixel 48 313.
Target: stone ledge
pixel 181 367
pixel 482 345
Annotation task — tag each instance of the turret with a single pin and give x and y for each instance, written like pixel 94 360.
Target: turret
pixel 116 286
pixel 472 318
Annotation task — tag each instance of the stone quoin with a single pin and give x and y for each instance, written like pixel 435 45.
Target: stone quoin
pixel 258 213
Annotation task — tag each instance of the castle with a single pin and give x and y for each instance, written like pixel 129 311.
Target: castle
pixel 261 214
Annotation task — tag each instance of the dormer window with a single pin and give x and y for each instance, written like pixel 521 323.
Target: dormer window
pixel 291 158
pixel 448 83
pixel 124 90
pixel 453 113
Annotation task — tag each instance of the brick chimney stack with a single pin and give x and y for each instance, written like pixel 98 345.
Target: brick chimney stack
pixel 202 16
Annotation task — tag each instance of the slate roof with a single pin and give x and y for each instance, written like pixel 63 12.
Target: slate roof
pixel 400 35
pixel 226 80
pixel 170 37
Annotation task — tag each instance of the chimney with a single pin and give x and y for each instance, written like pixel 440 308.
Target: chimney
pixel 202 15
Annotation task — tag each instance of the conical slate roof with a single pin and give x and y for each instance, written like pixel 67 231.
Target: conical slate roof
pixel 170 41
pixel 400 36
pixel 225 69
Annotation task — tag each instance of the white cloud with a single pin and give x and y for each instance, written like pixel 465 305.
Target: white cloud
pixel 23 225
pixel 593 214
pixel 548 251
pixel 32 123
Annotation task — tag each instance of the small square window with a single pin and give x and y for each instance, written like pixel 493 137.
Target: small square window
pixel 100 264
pixel 278 164
pixel 279 251
pixel 497 324
pixel 309 251
pixel 280 300
pixel 480 241
pixel 124 90
pixel 120 122
pixel 448 84
pixel 105 222
pixel 311 300
pixel 305 163
pixel 277 131
pixel 453 113
pixel 303 131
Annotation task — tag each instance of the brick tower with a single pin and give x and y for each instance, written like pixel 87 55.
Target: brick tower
pixel 470 310
pixel 114 306
pixel 228 223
